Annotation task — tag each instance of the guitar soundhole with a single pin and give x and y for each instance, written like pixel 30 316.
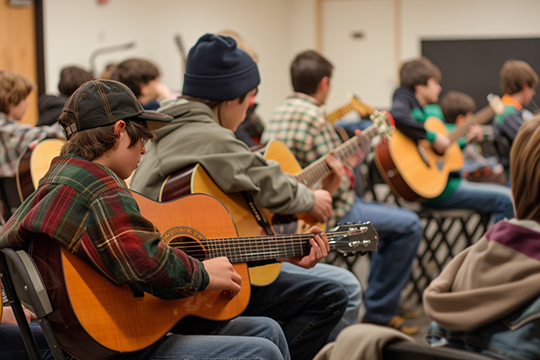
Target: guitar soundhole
pixel 190 246
pixel 285 224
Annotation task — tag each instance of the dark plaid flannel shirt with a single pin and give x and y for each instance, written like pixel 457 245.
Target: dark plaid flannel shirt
pixel 90 211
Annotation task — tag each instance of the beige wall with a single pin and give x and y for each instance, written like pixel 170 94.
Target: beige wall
pixel 278 29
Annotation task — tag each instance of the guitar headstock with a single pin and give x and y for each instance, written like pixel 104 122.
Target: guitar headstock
pixel 496 104
pixel 351 238
pixel 381 119
pixel 362 108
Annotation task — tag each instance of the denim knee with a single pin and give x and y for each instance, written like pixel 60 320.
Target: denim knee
pixel 265 350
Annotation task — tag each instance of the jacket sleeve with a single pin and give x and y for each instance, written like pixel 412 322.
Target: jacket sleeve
pixel 235 168
pixel 131 249
pixel 401 112
pixel 512 124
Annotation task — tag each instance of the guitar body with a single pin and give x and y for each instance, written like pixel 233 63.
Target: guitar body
pixel 413 170
pixel 34 163
pixel 277 151
pixel 193 180
pixel 96 319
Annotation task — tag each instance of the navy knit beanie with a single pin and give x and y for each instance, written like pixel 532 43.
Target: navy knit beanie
pixel 217 70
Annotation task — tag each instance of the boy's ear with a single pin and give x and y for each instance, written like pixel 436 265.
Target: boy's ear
pixel 118 126
pixel 324 83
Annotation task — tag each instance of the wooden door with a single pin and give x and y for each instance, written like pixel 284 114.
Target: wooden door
pixel 18 47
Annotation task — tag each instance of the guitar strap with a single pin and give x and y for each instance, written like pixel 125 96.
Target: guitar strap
pixel 259 216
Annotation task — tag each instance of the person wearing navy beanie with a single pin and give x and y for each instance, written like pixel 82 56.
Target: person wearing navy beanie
pixel 219 82
pixel 217 70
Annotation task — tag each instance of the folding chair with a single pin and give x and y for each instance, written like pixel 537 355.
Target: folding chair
pixel 22 283
pixel 405 350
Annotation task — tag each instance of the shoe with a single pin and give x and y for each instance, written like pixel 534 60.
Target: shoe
pixel 408 313
pixel 398 323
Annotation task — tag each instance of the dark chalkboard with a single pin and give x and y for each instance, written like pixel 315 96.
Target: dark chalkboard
pixel 473 66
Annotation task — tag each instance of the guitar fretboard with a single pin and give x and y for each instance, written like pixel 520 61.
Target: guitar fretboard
pixel 480 117
pixel 249 249
pixel 318 169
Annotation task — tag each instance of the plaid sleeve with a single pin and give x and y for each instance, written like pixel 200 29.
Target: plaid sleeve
pixel 132 250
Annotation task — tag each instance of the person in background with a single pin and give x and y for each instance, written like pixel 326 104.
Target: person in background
pixel 518 83
pixel 457 108
pixel 50 106
pixel 301 124
pixel 142 77
pixel 16 137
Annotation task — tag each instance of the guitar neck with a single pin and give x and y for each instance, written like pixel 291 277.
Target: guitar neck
pixel 317 170
pixel 249 249
pixel 339 113
pixel 480 117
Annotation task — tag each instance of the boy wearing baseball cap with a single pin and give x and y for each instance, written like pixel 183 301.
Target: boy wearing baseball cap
pixel 84 204
pixel 219 82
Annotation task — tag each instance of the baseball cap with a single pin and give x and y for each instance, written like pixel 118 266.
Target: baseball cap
pixel 100 102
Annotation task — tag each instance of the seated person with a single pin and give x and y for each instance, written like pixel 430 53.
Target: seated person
pixel 457 108
pixel 84 205
pixel 487 299
pixel 142 77
pixel 301 124
pixel 518 83
pixel 50 106
pixel 218 83
pixel 15 137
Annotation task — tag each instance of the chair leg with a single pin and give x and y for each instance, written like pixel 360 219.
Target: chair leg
pixel 15 303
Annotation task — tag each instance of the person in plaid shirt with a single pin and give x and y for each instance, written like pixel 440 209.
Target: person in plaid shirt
pixel 84 204
pixel 15 137
pixel 301 124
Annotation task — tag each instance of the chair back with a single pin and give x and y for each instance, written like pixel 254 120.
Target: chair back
pixel 23 284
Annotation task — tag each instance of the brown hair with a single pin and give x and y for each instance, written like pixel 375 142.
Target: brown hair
pixel 133 72
pixel 456 103
pixel 92 143
pixel 418 72
pixel 525 170
pixel 71 78
pixel 14 88
pixel 307 70
pixel 515 74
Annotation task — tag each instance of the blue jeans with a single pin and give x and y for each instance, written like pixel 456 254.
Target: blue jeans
pixel 400 232
pixel 482 197
pixel 347 279
pixel 12 345
pixel 307 307
pixel 256 338
pixel 352 125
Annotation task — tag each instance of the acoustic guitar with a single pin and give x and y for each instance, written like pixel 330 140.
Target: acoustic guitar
pixel 33 163
pixel 247 217
pixel 413 170
pixel 96 319
pixel 353 104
